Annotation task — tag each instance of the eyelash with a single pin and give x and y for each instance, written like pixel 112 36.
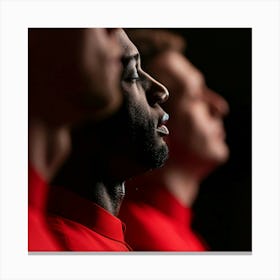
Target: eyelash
pixel 132 77
pixel 144 82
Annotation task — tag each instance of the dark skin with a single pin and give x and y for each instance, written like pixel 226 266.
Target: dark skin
pixel 107 153
pixel 197 144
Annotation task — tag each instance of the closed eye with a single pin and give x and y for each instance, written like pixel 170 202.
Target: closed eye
pixel 132 76
pixel 130 72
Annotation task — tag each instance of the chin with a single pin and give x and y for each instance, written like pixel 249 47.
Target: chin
pixel 161 156
pixel 221 154
pixel 148 159
pixel 155 157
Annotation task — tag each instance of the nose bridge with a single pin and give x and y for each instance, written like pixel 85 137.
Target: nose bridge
pixel 217 102
pixel 158 93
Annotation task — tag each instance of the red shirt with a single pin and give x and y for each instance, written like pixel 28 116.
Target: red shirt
pixel 157 221
pixel 40 237
pixel 81 225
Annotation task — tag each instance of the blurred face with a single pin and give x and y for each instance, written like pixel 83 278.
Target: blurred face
pixel 73 74
pixel 196 111
pixel 131 141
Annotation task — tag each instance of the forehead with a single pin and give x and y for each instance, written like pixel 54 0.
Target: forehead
pixel 128 48
pixel 180 65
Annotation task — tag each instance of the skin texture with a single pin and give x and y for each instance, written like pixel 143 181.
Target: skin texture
pixel 108 152
pixel 197 139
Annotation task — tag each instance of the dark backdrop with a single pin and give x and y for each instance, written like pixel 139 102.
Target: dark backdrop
pixel 223 207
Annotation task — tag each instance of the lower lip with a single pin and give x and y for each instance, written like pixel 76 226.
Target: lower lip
pixel 163 130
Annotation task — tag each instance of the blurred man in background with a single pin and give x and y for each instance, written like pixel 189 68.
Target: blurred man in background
pixel 73 74
pixel 89 189
pixel 157 209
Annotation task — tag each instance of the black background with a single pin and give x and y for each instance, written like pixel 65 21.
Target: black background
pixel 223 207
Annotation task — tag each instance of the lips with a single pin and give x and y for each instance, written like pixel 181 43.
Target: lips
pixel 222 134
pixel 162 129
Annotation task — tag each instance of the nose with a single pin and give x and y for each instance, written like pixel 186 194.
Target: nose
pixel 217 104
pixel 156 92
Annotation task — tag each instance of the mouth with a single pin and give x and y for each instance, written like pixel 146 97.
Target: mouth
pixel 220 133
pixel 161 128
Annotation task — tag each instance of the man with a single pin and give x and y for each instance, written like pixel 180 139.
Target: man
pixel 89 189
pixel 73 74
pixel 157 210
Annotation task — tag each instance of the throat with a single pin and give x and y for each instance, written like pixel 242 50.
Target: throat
pixel 109 196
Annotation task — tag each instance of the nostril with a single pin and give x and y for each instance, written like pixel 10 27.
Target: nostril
pixel 164 98
pixel 221 107
pixel 157 97
pixel 156 93
pixel 218 105
pixel 225 107
pixel 160 97
pixel 164 95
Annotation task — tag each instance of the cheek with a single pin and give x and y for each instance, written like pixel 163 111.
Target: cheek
pixel 187 120
pixel 139 112
pixel 190 125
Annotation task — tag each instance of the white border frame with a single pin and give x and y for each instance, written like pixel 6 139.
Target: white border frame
pixel 17 16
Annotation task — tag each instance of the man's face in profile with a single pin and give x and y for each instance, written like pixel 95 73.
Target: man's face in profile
pixel 143 96
pixel 132 139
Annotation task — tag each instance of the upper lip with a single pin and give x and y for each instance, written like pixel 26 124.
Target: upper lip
pixel 163 119
pixel 161 128
pixel 222 133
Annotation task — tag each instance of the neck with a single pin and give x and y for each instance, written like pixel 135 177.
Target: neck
pixel 179 181
pixel 48 147
pixel 109 196
pixel 184 185
pixel 86 178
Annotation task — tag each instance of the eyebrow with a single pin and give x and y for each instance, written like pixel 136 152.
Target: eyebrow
pixel 126 59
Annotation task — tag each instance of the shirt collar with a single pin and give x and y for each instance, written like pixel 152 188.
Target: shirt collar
pixel 67 204
pixel 164 201
pixel 37 189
